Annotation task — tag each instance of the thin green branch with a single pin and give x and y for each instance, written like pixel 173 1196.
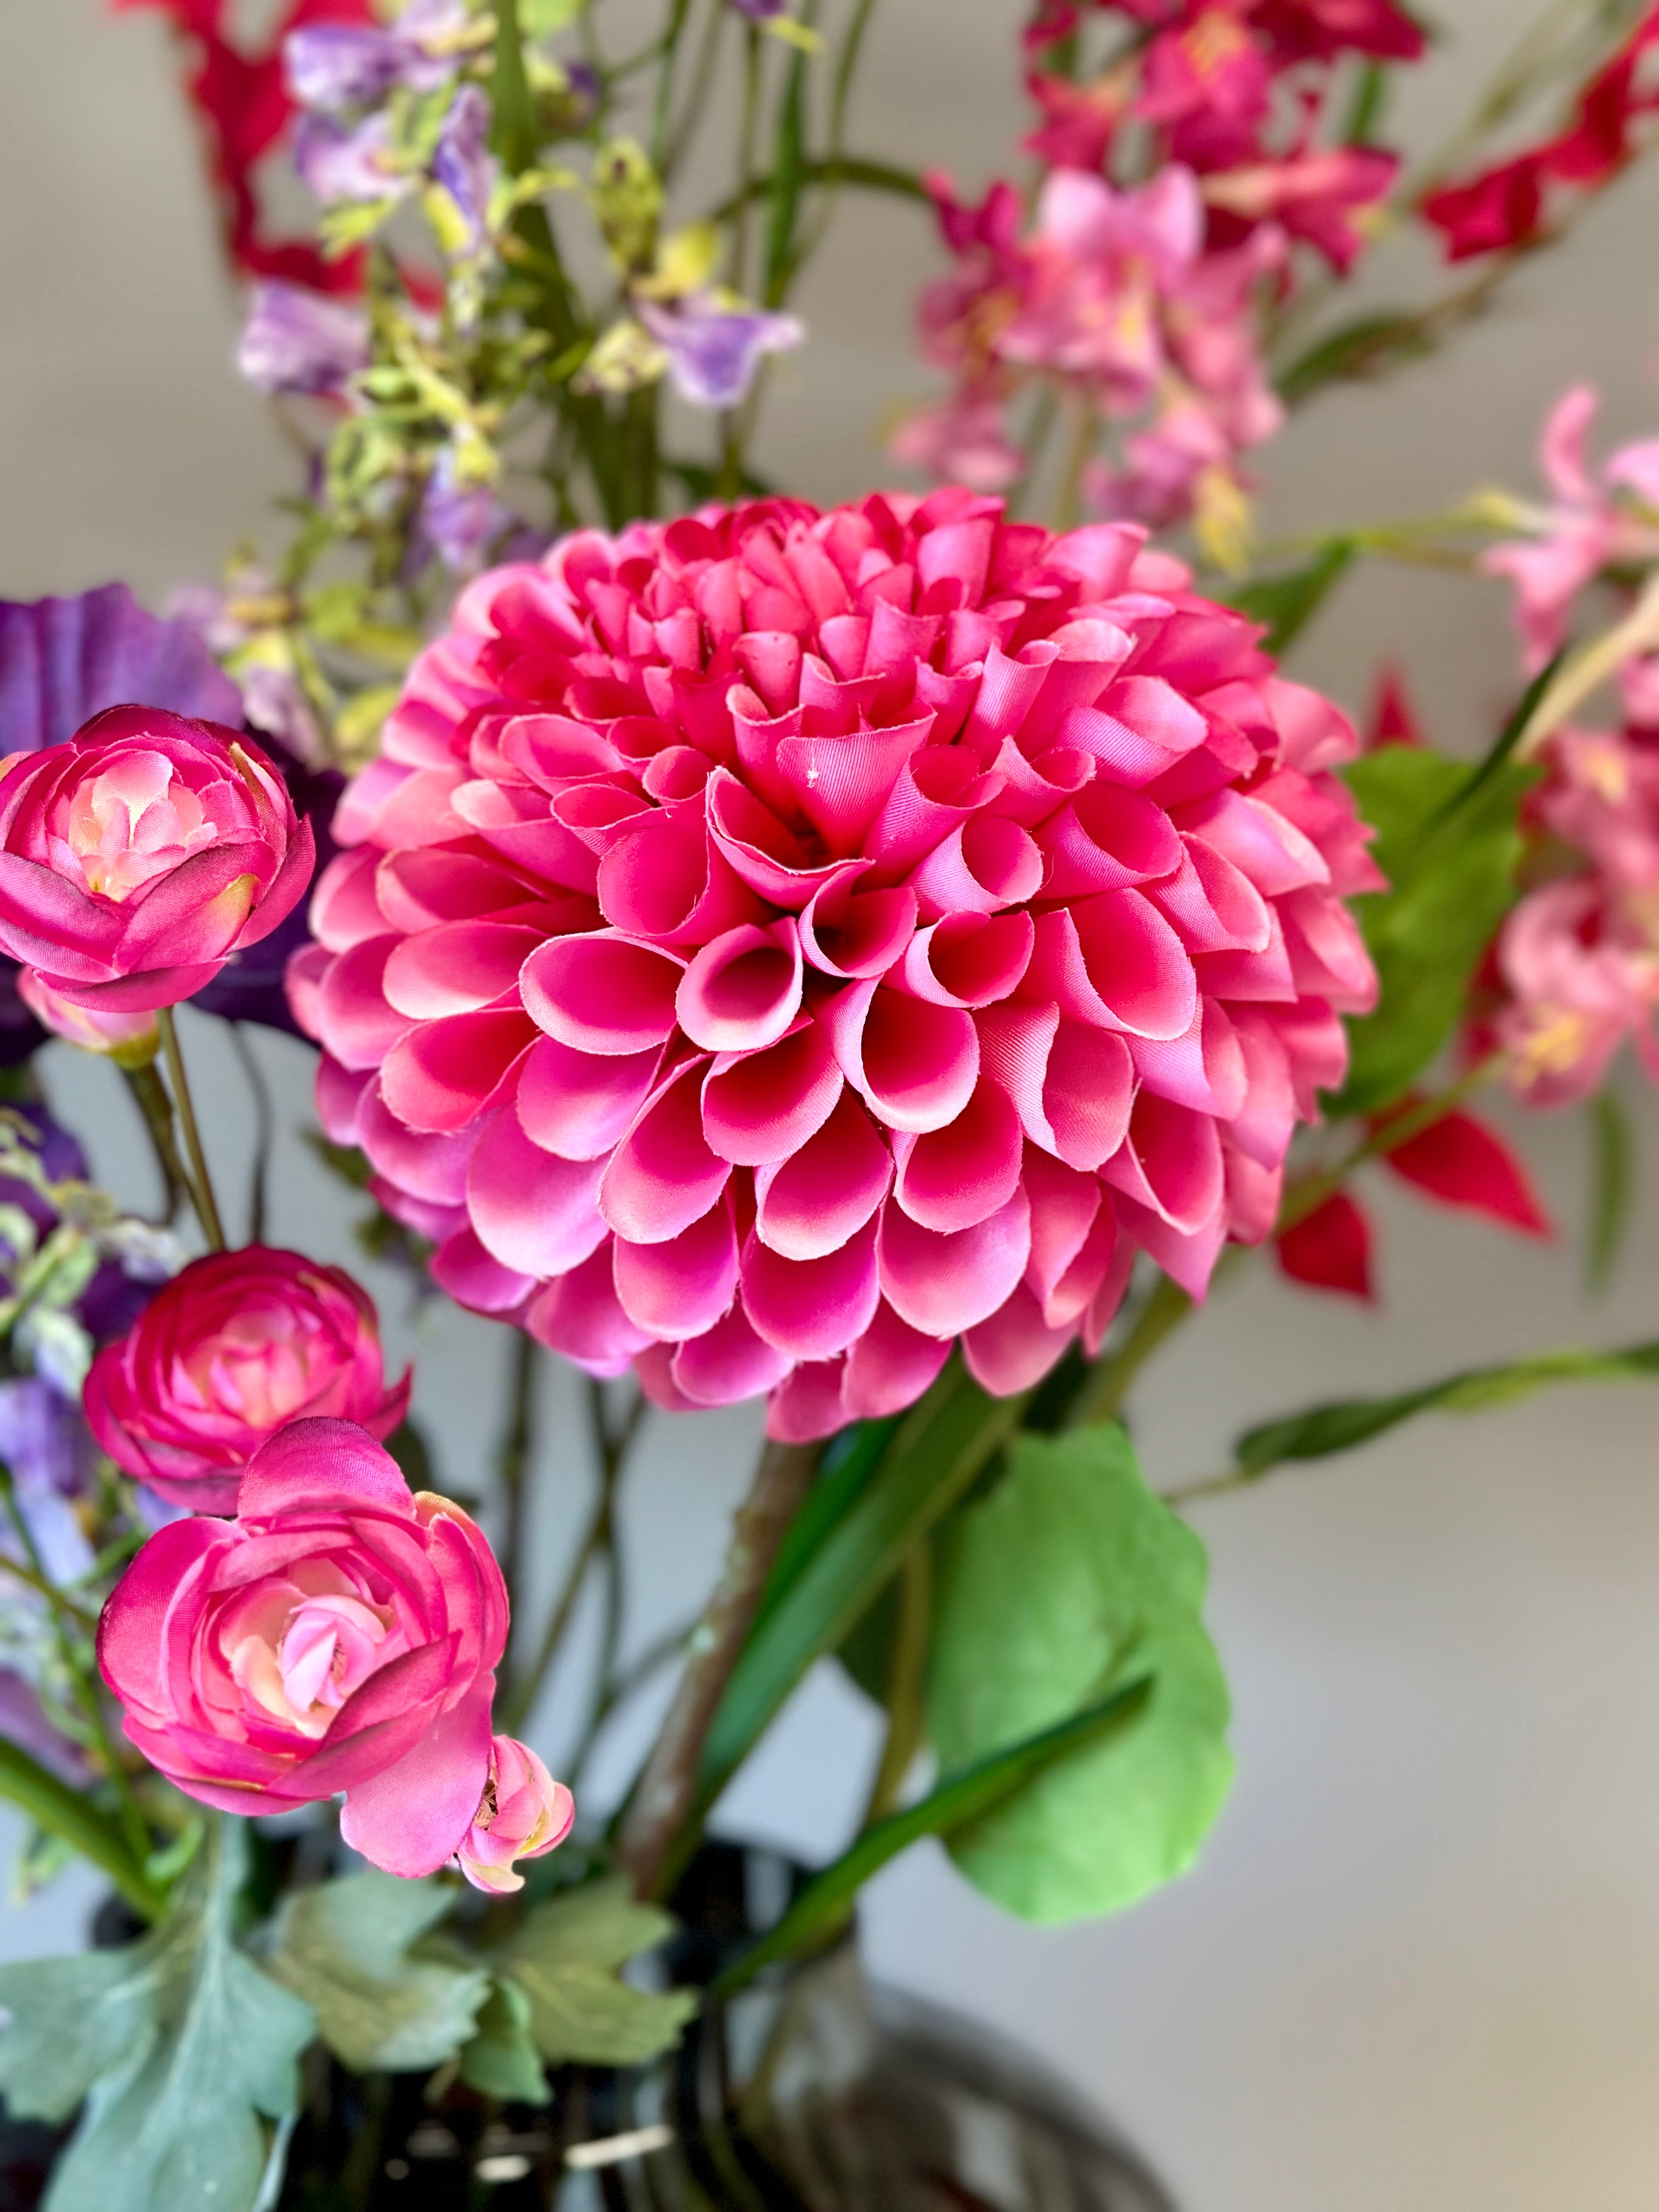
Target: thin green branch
pixel 906 1682
pixel 1101 1396
pixel 201 1187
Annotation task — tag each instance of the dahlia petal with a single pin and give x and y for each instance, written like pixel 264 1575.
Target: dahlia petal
pixel 1014 1348
pixel 534 1212
pixel 1272 852
pixel 1170 1162
pixel 579 1316
pixel 578 1104
pixel 428 1164
pixel 663 1175
pixel 741 991
pixel 1034 789
pixel 1327 954
pixel 344 910
pixel 1107 838
pixel 848 932
pixel 475 1279
pixel 1205 1069
pixel 942 1285
pixel 441 1074
pixel 986 864
pixel 1103 1306
pixel 1066 1206
pixel 811 1309
pixel 937 791
pixel 728 1363
pixel 1188 1260
pixel 668 880
pixel 1264 1120
pixel 456 968
pixel 955 1176
pixel 763 1106
pixel 357 1025
pixel 768 857
pixel 812 1201
pixel 1137 729
pixel 890 1367
pixel 841 783
pixel 683 1286
pixel 339 1095
pixel 807 1404
pixel 1114 961
pixel 916 1064
pixel 1262 978
pixel 969 959
pixel 602 994
pixel 1254 1195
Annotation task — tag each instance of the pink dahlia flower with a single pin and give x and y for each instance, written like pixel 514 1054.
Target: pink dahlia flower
pixel 524 1815
pixel 776 945
pixel 142 853
pixel 338 1635
pixel 235 1346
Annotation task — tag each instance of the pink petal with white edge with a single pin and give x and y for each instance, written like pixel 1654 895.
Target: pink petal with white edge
pixel 602 994
pixel 890 1367
pixel 728 1363
pixel 580 1316
pixel 741 993
pixel 1014 1349
pixel 663 1175
pixel 914 1063
pixel 811 1309
pixel 578 1104
pixel 812 1202
pixel 536 1213
pixel 412 1817
pixel 960 1175
pixel 763 1106
pixel 807 1404
pixel 473 1277
pixel 680 1288
pixel 1170 1162
pixel 942 1285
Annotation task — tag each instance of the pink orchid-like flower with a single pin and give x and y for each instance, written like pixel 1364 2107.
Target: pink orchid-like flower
pixel 132 1040
pixel 339 1635
pixel 237 1346
pixel 137 857
pixel 524 1815
pixel 776 945
pixel 1586 527
pixel 1579 991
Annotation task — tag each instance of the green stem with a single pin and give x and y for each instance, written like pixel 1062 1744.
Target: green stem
pixel 154 1104
pixel 201 1187
pixel 63 1812
pixel 514 1457
pixel 1101 1396
pixel 264 1134
pixel 620 1687
pixel 1306 1197
pixel 677 10
pixel 906 1682
pixel 696 104
pixel 1085 428
pixel 85 1621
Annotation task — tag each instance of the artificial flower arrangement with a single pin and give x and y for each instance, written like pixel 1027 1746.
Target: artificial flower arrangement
pixel 885 961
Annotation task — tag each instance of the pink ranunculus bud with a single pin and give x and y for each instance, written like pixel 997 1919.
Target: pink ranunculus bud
pixel 773 945
pixel 234 1347
pixel 524 1813
pixel 132 1040
pixel 339 1635
pixel 140 855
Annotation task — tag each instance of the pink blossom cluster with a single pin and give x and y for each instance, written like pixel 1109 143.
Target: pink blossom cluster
pixel 1179 183
pixel 773 946
pixel 1576 968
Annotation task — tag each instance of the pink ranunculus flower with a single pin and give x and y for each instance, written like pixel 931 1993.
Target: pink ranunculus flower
pixel 234 1347
pixel 774 946
pixel 132 1040
pixel 139 855
pixel 338 1634
pixel 523 1814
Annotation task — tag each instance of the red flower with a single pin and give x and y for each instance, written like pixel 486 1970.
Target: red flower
pixel 1461 1162
pixel 1329 1249
pixel 1394 719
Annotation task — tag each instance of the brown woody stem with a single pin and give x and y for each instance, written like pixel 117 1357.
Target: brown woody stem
pixel 667 1790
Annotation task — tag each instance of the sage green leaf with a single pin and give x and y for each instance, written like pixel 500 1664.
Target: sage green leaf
pixel 1288 603
pixel 1364 348
pixel 1342 1423
pixel 956 1802
pixel 1613 1182
pixel 565 1959
pixel 1448 840
pixel 65 1812
pixel 1069 1581
pixel 179 2045
pixel 501 2059
pixel 346 1946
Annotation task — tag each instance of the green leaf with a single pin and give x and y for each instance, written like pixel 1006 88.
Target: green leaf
pixel 1449 844
pixel 345 1947
pixel 1612 1178
pixel 501 2059
pixel 1366 347
pixel 865 1519
pixel 1340 1425
pixel 178 2045
pixel 954 1805
pixel 1288 603
pixel 541 19
pixel 565 1960
pixel 1070 1579
pixel 51 1804
pixel 788 177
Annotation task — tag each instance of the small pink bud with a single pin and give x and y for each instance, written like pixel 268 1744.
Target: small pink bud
pixel 524 1813
pixel 130 1040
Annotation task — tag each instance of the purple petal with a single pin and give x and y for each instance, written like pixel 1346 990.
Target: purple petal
pixel 460 522
pixel 713 352
pixel 23 1722
pixel 332 67
pixel 337 164
pixel 461 162
pixel 62 661
pixel 295 341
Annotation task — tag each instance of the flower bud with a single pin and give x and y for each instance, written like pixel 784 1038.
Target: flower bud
pixel 523 1814
pixel 130 1040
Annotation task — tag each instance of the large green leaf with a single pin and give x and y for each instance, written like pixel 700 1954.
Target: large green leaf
pixel 1289 602
pixel 178 2045
pixel 565 1959
pixel 1069 1581
pixel 345 1947
pixel 501 2060
pixel 1447 841
pixel 1342 1423
pixel 956 1802
pixel 864 1518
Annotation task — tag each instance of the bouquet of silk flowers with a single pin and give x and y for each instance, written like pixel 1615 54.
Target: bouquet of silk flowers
pixel 888 962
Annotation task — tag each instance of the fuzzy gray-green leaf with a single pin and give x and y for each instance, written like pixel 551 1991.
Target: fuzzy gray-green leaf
pixel 565 1960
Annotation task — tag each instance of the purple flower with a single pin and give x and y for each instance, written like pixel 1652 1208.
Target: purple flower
pixel 295 341
pixel 331 68
pixel 338 164
pixel 713 352
pixel 23 1722
pixel 462 162
pixel 460 522
pixel 759 11
pixel 45 1444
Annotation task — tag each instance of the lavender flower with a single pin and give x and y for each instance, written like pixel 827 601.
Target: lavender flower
pixel 462 162
pixel 459 521
pixel 715 351
pixel 759 11
pixel 63 661
pixel 45 1444
pixel 339 164
pixel 332 68
pixel 295 341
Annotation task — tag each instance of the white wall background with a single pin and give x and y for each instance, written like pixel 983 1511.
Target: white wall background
pixel 1420 1965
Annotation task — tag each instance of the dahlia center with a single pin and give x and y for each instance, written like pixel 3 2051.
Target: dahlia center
pixel 131 824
